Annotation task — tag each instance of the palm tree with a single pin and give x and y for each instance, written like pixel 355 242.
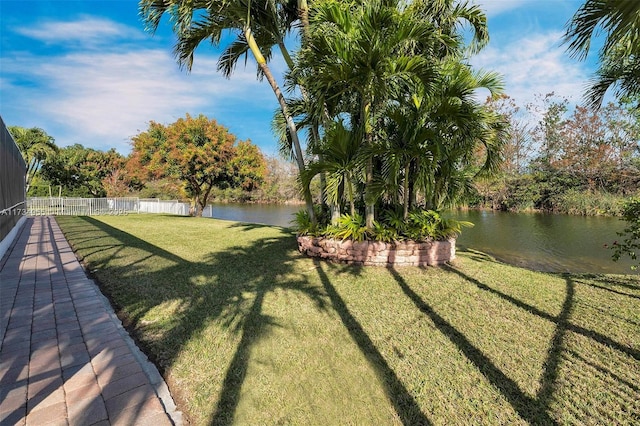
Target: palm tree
pixel 448 16
pixel 406 150
pixel 339 158
pixel 464 128
pixel 359 56
pixel 432 139
pixel 36 147
pixel 259 26
pixel 620 54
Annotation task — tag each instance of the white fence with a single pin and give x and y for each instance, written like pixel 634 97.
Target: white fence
pixel 207 211
pixel 159 206
pixel 38 206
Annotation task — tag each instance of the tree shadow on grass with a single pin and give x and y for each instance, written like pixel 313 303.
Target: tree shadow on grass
pixel 403 402
pixel 549 379
pixel 635 387
pixel 598 337
pixel 535 410
pixel 90 241
pixel 527 407
pixel 607 282
pixel 237 282
pixel 630 282
pixel 476 255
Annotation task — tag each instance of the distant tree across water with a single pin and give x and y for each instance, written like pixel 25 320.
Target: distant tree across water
pixel 201 154
pixel 570 160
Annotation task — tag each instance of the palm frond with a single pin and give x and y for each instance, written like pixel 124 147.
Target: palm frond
pixel 622 73
pixel 618 19
pixel 229 58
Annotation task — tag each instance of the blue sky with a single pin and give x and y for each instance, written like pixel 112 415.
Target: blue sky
pixel 87 72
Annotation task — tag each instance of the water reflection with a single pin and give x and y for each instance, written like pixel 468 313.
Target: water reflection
pixel 543 242
pixel 553 243
pixel 267 214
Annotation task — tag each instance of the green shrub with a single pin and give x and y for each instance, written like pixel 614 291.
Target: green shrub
pixel 423 224
pixel 630 246
pixel 303 224
pixel 420 225
pixel 348 228
pixel 587 203
pixel 451 228
pixel 384 233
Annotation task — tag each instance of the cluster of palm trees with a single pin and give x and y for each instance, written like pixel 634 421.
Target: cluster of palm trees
pixel 387 85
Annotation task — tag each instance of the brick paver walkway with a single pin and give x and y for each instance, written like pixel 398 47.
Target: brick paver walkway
pixel 65 358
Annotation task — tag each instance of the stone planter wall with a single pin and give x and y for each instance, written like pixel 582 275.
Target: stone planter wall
pixel 375 253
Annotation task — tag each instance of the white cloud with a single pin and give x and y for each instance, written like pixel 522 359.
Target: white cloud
pixel 88 31
pixel 100 98
pixel 535 65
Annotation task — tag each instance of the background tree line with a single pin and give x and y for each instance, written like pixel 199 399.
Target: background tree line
pixel 567 160
pixel 192 159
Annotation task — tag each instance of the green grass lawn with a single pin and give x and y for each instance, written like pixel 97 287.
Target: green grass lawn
pixel 247 331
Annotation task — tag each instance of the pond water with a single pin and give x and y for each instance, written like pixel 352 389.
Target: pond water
pixel 268 214
pixel 543 242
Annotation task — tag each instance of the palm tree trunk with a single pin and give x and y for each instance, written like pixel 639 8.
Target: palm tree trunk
pixel 285 54
pixel 335 207
pixel 303 13
pixel 27 182
pixel 413 166
pixel 370 209
pixel 291 125
pixel 32 167
pixel 323 175
pixel 314 128
pixel 405 191
pixel 352 204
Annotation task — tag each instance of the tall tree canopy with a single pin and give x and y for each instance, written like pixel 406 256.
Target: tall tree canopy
pixel 200 153
pixel 82 170
pixel 249 166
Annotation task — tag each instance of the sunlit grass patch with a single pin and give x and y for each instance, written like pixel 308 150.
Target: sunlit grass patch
pixel 248 331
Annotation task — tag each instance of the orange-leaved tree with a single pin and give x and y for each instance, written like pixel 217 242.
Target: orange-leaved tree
pixel 249 166
pixel 197 151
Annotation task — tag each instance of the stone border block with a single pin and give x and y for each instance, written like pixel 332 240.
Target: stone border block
pixel 376 253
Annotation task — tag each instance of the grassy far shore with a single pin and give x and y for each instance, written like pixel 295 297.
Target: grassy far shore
pixel 247 331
